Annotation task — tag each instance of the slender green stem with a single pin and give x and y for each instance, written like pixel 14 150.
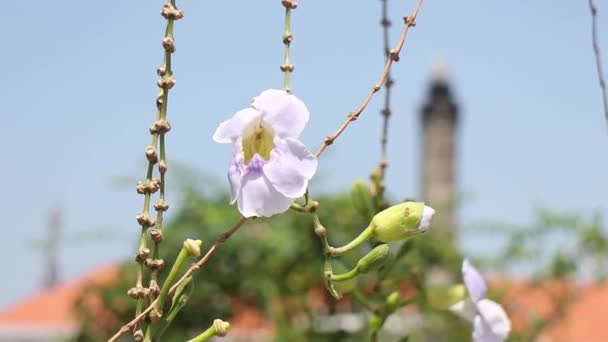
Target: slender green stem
pixel 287 67
pixel 144 227
pixel 300 208
pixel 321 233
pixel 180 298
pixel 177 266
pixel 218 328
pixel 364 236
pixel 207 334
pixel 287 38
pixel 309 205
pixel 160 209
pixel 345 276
pixel 374 336
pixel 158 130
pixel 329 251
pixel 386 111
pixel 158 306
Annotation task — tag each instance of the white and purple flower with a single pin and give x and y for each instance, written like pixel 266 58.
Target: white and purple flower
pixel 490 322
pixel 270 167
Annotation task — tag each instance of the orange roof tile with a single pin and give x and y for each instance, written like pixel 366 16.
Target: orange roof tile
pixel 53 307
pixel 583 317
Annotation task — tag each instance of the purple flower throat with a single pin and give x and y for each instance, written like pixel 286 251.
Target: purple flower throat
pixel 256 163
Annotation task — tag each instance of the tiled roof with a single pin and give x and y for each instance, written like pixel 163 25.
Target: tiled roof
pixel 524 300
pixel 50 310
pixel 581 318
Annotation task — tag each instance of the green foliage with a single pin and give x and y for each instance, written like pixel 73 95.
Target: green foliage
pixel 275 265
pixel 268 263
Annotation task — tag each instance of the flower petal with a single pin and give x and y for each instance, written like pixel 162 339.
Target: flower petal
pixel 427 217
pixel 230 130
pixel 235 171
pixel 257 197
pixel 492 323
pixel 290 167
pixel 465 309
pixel 286 113
pixel 473 280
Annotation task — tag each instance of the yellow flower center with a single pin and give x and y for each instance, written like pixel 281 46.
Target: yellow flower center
pixel 257 138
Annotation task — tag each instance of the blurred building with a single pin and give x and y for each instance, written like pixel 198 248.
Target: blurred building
pixel 48 315
pixel 439 118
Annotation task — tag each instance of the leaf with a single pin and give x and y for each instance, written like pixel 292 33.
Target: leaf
pixel 180 298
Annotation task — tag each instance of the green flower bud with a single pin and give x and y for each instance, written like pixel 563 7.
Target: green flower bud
pixel 374 259
pixel 443 297
pixel 193 247
pixel 402 221
pixel 362 200
pixel 221 327
pixel 375 322
pixel 393 298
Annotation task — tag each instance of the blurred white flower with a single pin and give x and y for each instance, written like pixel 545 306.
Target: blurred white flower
pixel 490 322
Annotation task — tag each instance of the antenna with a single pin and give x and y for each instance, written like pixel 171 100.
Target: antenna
pixel 51 248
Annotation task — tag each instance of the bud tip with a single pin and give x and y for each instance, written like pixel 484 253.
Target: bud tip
pixel 427 217
pixel 193 247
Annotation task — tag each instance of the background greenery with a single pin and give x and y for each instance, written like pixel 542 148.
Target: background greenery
pixel 275 265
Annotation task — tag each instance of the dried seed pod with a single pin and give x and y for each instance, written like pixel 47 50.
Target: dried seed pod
pixel 142 254
pixel 138 336
pixel 161 204
pixel 156 235
pixel 287 67
pixel 151 154
pixel 166 82
pixel 169 44
pixel 145 220
pixel 289 4
pixel 162 166
pixel 154 288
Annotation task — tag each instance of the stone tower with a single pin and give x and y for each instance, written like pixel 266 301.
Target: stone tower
pixel 439 117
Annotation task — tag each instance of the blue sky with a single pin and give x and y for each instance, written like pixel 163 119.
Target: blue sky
pixel 79 85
